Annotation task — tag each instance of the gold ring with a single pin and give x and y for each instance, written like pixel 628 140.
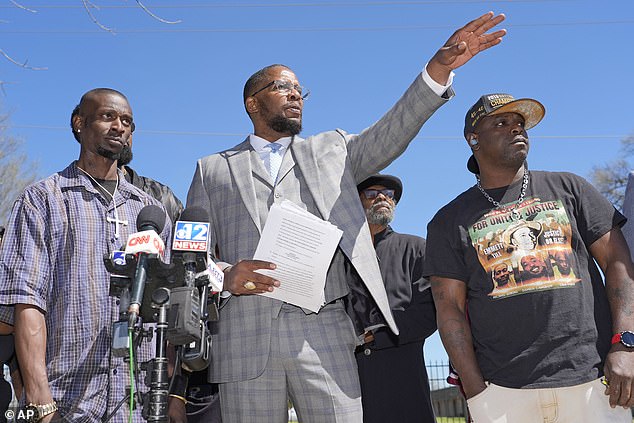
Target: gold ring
pixel 249 285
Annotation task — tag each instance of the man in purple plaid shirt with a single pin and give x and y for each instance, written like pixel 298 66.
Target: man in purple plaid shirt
pixel 53 283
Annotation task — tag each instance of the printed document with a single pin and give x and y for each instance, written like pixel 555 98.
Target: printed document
pixel 302 246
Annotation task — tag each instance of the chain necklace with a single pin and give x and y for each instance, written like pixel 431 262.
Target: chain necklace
pixel 116 220
pixel 514 213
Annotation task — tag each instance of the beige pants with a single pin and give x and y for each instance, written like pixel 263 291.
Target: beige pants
pixel 584 403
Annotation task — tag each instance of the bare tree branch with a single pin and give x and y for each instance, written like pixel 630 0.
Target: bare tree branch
pixel 18 5
pixel 611 178
pixel 22 65
pixel 87 6
pixel 2 83
pixel 627 145
pixel 16 172
pixel 154 16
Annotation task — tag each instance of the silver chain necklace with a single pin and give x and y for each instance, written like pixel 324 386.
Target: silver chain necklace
pixel 116 220
pixel 514 213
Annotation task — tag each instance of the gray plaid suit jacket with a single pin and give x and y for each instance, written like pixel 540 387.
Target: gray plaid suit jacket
pixel 321 173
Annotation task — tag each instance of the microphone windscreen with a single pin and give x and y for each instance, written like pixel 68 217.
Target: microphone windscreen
pixel 151 218
pixel 194 214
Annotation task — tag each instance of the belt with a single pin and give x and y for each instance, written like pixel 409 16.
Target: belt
pixel 364 349
pixel 201 391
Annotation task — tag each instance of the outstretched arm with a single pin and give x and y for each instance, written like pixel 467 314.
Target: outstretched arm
pixel 612 254
pixel 380 144
pixel 450 296
pixel 464 44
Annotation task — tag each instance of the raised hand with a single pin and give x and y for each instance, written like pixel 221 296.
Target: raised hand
pixel 464 44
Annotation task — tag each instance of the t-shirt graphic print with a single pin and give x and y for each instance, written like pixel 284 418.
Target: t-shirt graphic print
pixel 529 254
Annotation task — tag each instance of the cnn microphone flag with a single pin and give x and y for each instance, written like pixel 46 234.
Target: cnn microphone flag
pixel 145 242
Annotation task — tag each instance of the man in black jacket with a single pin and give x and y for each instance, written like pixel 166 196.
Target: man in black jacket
pixel 394 384
pixel 202 397
pixel 156 189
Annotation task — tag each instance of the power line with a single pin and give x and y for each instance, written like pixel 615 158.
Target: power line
pixel 238 134
pixel 289 5
pixel 316 29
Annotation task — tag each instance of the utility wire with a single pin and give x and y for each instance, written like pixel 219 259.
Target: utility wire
pixel 303 29
pixel 333 29
pixel 237 134
pixel 291 5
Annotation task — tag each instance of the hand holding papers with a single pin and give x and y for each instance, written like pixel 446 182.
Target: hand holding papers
pixel 302 246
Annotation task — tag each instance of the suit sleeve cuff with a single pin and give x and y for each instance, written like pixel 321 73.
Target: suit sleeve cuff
pixel 437 88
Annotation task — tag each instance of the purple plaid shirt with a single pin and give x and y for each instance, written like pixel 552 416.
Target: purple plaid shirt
pixel 52 257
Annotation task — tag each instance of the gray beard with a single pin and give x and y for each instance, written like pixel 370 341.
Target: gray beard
pixel 382 218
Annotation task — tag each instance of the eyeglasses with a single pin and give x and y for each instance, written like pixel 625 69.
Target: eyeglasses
pixel 284 88
pixel 371 194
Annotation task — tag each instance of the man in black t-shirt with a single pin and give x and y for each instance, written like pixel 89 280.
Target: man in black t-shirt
pixel 536 349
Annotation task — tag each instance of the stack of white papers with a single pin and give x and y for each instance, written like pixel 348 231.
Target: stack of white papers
pixel 302 246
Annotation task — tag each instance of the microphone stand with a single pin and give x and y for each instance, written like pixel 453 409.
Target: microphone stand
pixel 155 406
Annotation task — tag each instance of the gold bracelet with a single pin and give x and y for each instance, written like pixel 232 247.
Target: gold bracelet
pixel 179 397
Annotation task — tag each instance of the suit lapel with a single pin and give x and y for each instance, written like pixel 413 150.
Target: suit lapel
pixel 288 162
pixel 240 166
pixel 304 158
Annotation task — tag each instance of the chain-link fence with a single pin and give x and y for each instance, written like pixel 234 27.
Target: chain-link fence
pixel 446 399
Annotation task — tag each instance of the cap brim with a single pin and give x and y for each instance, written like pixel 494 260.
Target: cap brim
pixel 472 165
pixel 532 110
pixel 388 181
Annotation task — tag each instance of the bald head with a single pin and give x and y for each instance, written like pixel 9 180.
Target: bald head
pixel 258 79
pixel 89 97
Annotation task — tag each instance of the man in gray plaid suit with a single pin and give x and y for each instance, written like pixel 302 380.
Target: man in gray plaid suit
pixel 265 351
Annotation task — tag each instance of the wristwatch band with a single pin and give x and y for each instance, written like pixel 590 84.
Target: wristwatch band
pixel 626 338
pixel 41 410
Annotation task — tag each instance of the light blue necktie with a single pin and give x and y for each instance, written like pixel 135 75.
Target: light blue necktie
pixel 275 159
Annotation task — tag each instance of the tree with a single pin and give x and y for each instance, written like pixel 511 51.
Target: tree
pixel 15 171
pixel 89 7
pixel 611 178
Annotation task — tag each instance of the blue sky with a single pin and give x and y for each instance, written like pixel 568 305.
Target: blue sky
pixel 184 81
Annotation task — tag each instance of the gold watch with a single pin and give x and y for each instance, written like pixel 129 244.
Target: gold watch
pixel 36 412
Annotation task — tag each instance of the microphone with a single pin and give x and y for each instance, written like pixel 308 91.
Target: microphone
pixel 189 247
pixel 191 237
pixel 150 223
pixel 214 275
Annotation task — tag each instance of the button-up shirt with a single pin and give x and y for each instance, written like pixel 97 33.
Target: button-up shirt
pixel 52 258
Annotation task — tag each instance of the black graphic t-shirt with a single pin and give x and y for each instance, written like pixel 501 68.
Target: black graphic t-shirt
pixel 537 303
